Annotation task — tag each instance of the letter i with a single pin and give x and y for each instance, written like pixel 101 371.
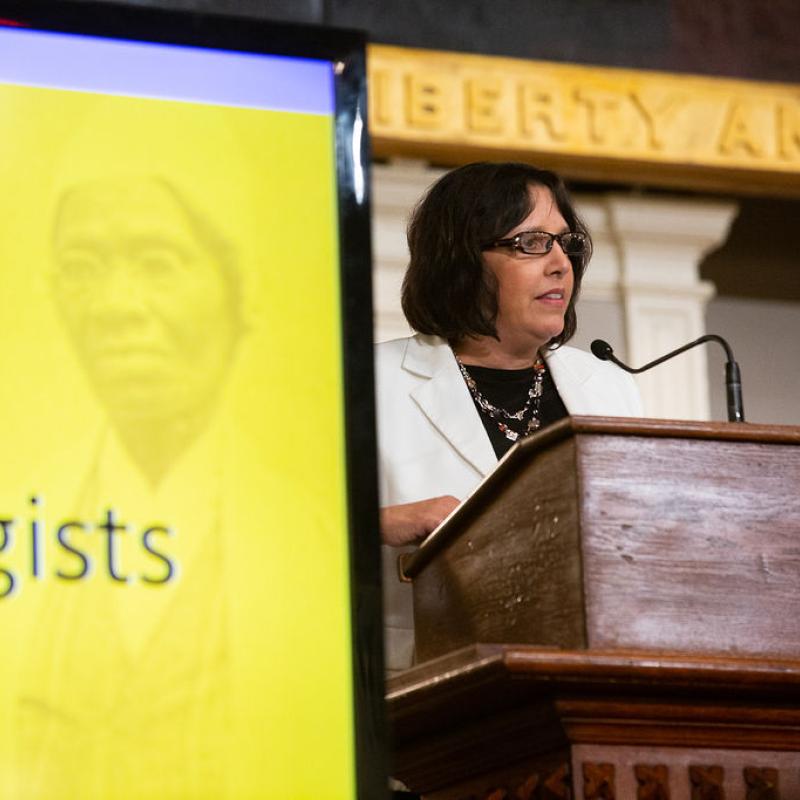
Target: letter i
pixel 37 553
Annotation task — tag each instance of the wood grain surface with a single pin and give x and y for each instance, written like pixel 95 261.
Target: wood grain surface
pixel 515 574
pixel 624 533
pixel 691 545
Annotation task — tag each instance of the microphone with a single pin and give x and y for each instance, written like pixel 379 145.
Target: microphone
pixel 733 376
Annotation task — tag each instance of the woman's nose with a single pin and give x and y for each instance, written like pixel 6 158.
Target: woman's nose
pixel 558 262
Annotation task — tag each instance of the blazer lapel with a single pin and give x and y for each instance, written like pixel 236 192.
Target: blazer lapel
pixel 575 383
pixel 446 402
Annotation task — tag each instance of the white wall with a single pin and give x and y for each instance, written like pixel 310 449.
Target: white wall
pixel 765 337
pixel 600 319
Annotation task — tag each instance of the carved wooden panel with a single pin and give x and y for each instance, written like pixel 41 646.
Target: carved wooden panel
pixel 598 781
pixel 527 789
pixel 555 785
pixel 653 782
pixel 707 782
pixel 762 783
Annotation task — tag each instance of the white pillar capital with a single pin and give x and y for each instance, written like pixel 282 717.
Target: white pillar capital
pixel 660 243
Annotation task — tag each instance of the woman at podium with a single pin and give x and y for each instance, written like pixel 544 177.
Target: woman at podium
pixel 497 256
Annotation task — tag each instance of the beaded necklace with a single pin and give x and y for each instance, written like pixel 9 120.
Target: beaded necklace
pixel 497 414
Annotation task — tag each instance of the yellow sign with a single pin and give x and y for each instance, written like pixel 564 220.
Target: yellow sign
pixel 174 596
pixel 591 121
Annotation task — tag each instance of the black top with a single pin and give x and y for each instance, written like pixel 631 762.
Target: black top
pixel 508 389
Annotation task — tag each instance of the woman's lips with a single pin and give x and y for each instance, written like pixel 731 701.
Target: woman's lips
pixel 553 297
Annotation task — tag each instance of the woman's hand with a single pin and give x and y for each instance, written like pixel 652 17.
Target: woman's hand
pixel 410 522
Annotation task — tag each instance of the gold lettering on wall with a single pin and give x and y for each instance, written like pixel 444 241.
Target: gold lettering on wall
pixel 484 105
pixel 789 131
pixel 541 112
pixel 658 111
pixel 426 100
pixel 423 103
pixel 605 113
pixel 743 132
pixel 382 97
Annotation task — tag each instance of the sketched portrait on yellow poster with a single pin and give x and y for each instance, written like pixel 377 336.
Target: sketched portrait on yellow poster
pixel 173 533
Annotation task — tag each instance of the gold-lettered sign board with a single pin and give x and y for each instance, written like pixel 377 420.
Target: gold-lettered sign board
pixel 591 122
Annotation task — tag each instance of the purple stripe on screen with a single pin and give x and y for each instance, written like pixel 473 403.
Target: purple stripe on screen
pixel 168 72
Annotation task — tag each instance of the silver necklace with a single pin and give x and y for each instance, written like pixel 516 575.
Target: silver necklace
pixel 499 414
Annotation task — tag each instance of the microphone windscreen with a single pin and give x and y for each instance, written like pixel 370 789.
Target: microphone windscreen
pixel 601 349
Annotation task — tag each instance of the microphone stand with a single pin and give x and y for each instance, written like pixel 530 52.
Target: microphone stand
pixel 733 377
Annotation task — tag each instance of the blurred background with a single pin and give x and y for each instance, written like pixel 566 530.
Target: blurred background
pixel 677 125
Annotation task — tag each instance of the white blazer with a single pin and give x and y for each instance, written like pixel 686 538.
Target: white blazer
pixel 431 440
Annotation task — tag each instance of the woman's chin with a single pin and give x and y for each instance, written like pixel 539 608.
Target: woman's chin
pixel 546 335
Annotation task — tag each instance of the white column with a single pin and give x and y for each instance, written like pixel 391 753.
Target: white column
pixel 660 243
pixel 396 188
pixel 601 283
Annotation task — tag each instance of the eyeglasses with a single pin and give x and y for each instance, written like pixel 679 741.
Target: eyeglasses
pixel 537 243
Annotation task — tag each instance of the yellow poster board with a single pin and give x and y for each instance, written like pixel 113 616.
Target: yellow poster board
pixel 174 590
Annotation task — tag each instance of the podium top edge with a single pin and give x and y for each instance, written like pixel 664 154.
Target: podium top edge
pixel 671 428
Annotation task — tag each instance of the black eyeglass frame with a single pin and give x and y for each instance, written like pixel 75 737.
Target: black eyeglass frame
pixel 515 243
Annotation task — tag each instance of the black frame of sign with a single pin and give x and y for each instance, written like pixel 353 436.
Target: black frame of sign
pixel 345 49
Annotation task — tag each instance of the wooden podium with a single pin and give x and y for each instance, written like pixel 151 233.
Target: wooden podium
pixel 614 613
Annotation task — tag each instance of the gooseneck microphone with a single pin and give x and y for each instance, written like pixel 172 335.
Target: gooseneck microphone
pixel 733 377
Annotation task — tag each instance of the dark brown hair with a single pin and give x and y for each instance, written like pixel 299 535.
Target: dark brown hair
pixel 446 290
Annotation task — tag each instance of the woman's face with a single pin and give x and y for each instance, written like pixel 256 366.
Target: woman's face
pixel 533 292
